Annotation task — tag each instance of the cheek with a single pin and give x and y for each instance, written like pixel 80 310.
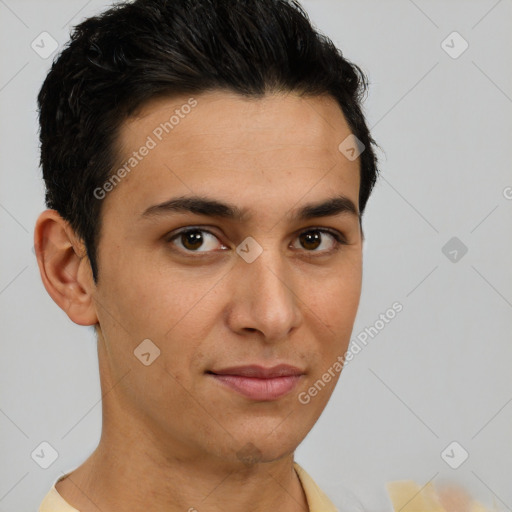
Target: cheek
pixel 335 296
pixel 146 299
pixel 166 308
pixel 332 309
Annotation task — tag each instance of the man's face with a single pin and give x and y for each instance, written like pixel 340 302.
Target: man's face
pixel 206 306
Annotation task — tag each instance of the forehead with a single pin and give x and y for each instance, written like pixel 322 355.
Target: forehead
pixel 227 142
pixel 238 123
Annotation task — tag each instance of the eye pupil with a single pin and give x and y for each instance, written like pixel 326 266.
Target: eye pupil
pixel 192 239
pixel 310 239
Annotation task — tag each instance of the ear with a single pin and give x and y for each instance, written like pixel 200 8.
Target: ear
pixel 65 268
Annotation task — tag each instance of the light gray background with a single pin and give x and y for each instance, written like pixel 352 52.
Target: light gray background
pixel 438 372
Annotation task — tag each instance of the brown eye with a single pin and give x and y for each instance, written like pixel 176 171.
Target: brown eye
pixel 191 240
pixel 310 240
pixel 327 240
pixel 196 240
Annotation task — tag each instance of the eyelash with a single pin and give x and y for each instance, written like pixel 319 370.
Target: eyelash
pixel 338 237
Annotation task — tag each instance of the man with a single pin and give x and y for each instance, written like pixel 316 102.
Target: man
pixel 207 165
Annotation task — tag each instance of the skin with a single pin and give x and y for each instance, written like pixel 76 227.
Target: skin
pixel 172 436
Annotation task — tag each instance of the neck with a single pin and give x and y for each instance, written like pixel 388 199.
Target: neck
pixel 131 476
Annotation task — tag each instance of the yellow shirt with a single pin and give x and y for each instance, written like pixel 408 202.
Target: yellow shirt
pixel 408 496
pixel 317 500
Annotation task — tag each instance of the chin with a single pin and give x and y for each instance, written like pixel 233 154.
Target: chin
pixel 265 449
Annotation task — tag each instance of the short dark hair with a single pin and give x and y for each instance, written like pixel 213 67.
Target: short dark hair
pixel 136 51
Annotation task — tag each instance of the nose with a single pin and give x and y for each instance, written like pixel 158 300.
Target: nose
pixel 264 298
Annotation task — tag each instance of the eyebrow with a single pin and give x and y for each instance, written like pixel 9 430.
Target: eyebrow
pixel 338 205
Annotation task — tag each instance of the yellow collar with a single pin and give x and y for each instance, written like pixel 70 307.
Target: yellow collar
pixel 317 500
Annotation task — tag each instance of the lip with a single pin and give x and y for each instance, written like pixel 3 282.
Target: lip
pixel 260 372
pixel 258 382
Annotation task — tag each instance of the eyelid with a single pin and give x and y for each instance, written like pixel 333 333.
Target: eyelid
pixel 338 236
pixel 175 234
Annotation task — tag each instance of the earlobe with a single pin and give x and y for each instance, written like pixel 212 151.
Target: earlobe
pixel 64 267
